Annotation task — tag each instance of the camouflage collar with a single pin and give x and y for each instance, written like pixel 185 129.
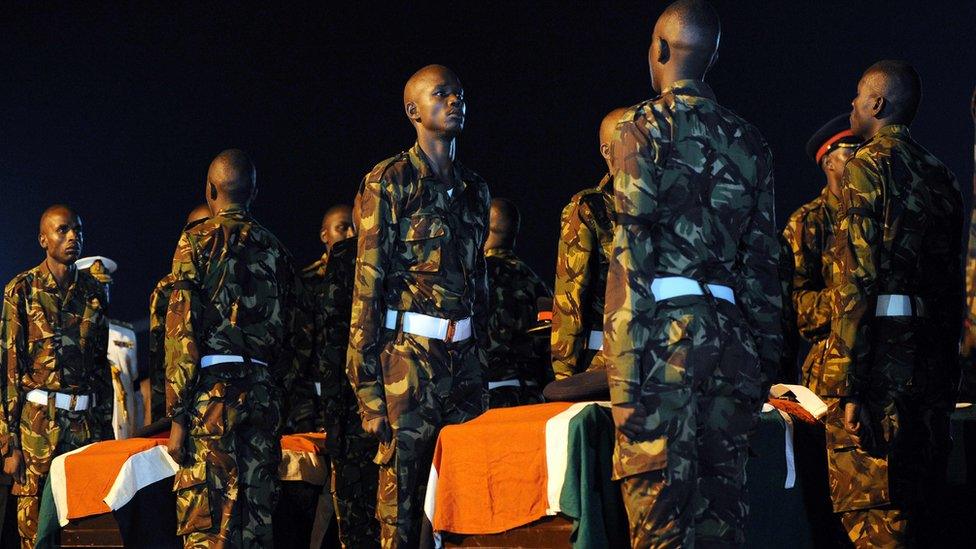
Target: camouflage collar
pixel 421 165
pixel 606 185
pixel 696 88
pixel 503 253
pixel 831 202
pixel 233 211
pixel 892 130
pixel 45 279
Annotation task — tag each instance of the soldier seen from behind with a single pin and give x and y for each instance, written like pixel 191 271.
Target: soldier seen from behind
pixel 692 319
pixel 516 373
pixel 230 348
pixel 892 356
pixel 53 340
pixel 419 314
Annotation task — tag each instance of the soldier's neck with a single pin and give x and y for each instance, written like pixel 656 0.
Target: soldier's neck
pixel 440 150
pixel 62 273
pixel 222 206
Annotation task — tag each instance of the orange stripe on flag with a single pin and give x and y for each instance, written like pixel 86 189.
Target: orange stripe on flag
pixel 93 471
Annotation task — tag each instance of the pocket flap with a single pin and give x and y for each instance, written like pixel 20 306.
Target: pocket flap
pixel 188 477
pixel 423 227
pixel 633 457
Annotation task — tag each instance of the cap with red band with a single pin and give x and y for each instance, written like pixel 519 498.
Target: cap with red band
pixel 830 142
pixel 833 135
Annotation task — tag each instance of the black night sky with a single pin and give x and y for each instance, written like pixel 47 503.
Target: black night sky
pixel 118 110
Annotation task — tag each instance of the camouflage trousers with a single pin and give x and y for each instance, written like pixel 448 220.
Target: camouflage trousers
pixel 45 433
pixel 428 384
pixel 228 486
pixel 875 527
pixel 683 483
pixel 354 479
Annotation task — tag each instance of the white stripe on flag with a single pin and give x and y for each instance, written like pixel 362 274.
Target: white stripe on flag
pixel 557 452
pixel 59 486
pixel 790 462
pixel 139 471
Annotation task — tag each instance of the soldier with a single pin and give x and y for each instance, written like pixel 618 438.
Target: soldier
pixel 891 357
pixel 329 282
pixel 230 345
pixel 582 258
pixel 420 299
pixel 53 340
pixel 693 297
pixel 516 373
pixel 122 357
pixel 968 347
pixel 806 240
pixel 154 386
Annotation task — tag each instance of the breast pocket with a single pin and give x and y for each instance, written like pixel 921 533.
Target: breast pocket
pixel 424 237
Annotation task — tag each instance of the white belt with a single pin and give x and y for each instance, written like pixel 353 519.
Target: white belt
pixel 213 360
pixel 318 388
pixel 676 286
pixel 595 341
pixel 506 383
pixel 61 400
pixel 894 305
pixel 430 326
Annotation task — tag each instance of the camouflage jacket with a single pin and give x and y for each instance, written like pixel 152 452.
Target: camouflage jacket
pixel 55 344
pixel 235 292
pixel 967 349
pixel 899 232
pixel 512 292
pixel 158 303
pixel 420 250
pixel 582 258
pixel 694 197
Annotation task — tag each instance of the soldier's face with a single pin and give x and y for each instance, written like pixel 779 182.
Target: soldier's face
pixel 337 227
pixel 61 236
pixel 440 104
pixel 864 107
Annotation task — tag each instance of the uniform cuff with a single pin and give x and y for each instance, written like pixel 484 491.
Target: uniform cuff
pixel 624 392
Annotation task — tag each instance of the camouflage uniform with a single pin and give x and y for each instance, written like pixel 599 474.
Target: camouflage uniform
pixel 694 198
pixel 53 343
pixel 967 350
pixel 420 250
pixel 899 232
pixel 235 292
pixel 512 292
pixel 158 303
pixel 354 475
pixel 582 258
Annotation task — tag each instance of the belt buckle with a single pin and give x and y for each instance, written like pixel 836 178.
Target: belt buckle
pixel 451 328
pixel 73 402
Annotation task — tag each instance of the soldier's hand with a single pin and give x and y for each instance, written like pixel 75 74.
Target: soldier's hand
pixel 629 419
pixel 378 427
pixel 856 422
pixel 13 465
pixel 177 433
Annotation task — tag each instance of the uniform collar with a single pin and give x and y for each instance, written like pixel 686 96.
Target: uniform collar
pixel 503 253
pixel 233 211
pixel 46 279
pixel 606 185
pixel 896 130
pixel 695 88
pixel 831 202
pixel 421 165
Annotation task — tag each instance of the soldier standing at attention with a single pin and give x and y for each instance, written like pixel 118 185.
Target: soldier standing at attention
pixel 807 239
pixel 329 283
pixel 53 340
pixel 419 315
pixel 516 374
pixel 230 328
pixel 582 258
pixel 693 296
pixel 892 355
pixel 153 388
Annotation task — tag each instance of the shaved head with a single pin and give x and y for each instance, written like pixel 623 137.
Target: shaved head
pixel 232 175
pixel 433 100
pixel 686 36
pixel 339 210
pixel 337 225
pixel 56 210
pixel 899 84
pixel 424 78
pixel 607 128
pixel 60 234
pixel 202 211
pixel 504 222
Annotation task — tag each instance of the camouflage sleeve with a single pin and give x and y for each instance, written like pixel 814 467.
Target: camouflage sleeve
pixel 296 379
pixel 332 332
pixel 629 301
pixel 13 349
pixel 811 301
pixel 102 384
pixel 182 354
pixel 968 347
pixel 480 275
pixel 758 290
pixel 855 267
pixel 947 293
pixel 788 368
pixel 574 251
pixel 157 337
pixel 372 216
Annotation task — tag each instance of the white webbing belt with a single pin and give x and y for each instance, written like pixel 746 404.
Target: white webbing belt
pixel 894 305
pixel 430 326
pixel 676 286
pixel 318 388
pixel 506 383
pixel 61 400
pixel 213 360
pixel 595 341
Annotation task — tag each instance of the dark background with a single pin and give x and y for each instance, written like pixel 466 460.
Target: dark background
pixel 118 111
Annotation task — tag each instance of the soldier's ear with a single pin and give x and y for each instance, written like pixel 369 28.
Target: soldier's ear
pixel 42 240
pixel 412 112
pixel 879 106
pixel 663 51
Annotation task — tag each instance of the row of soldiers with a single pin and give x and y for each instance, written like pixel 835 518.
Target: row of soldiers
pixel 671 278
